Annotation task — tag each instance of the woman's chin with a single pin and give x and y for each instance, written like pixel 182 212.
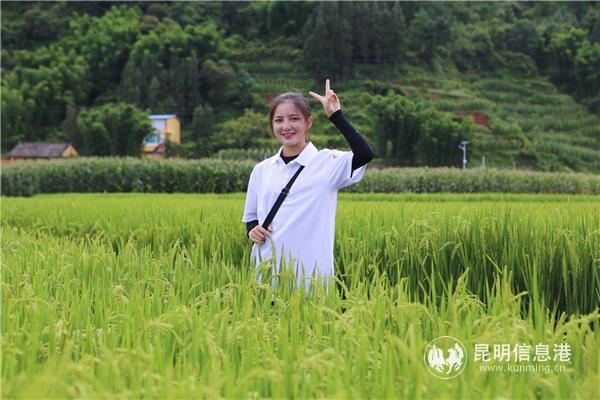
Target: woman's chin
pixel 293 141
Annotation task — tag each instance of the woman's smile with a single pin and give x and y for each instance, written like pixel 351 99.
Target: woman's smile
pixel 291 127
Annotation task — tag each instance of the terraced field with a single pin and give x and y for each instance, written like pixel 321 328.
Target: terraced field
pixel 530 124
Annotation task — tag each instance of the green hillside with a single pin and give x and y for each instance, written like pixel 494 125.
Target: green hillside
pixel 411 77
pixel 528 122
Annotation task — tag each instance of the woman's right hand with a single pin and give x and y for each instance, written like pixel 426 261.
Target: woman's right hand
pixel 258 234
pixel 330 102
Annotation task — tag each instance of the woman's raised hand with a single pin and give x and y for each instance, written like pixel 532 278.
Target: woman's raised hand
pixel 330 101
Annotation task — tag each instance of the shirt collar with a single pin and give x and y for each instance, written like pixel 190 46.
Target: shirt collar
pixel 303 158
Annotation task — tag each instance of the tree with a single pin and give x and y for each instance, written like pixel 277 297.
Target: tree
pixel 202 129
pixel 36 88
pixel 178 61
pixel 328 47
pixel 340 34
pixel 561 53
pixel 104 43
pixel 474 49
pixel 397 127
pixel 15 125
pixel 429 35
pixel 523 37
pixel 393 30
pixel 28 25
pixel 192 94
pixel 245 131
pixel 591 22
pixel 293 14
pixel 410 134
pixel 154 94
pixel 376 35
pixel 69 125
pixel 587 69
pixel 361 30
pixel 214 78
pixel 440 135
pixel 112 130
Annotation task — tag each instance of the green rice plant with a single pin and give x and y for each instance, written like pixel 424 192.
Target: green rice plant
pixel 131 295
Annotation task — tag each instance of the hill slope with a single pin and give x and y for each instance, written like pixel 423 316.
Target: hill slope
pixel 521 122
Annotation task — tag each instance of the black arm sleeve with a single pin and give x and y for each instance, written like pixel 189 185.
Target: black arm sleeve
pixel 363 153
pixel 250 225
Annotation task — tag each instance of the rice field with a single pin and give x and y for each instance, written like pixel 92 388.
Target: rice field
pixel 152 295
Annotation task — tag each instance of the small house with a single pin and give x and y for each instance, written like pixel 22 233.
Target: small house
pixel 166 127
pixel 41 151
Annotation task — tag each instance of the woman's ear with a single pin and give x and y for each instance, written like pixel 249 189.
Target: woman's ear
pixel 309 122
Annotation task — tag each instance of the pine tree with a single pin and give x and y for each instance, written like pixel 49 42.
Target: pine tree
pixel 154 94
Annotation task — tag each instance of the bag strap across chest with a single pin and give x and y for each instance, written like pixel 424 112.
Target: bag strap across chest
pixel 282 195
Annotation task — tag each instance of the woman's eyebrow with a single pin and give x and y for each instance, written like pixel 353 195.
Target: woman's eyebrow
pixel 289 115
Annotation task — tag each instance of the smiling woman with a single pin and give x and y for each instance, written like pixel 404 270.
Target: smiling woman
pixel 300 230
pixel 290 122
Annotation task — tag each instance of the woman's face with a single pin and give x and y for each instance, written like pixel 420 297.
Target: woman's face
pixel 290 126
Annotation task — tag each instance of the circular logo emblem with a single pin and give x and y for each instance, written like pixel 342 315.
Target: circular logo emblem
pixel 445 357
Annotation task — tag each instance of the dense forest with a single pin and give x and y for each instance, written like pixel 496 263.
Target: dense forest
pixel 89 73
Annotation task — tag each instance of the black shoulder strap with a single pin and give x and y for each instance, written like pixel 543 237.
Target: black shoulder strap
pixel 280 199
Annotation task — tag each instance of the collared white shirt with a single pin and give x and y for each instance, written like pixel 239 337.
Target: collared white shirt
pixel 304 226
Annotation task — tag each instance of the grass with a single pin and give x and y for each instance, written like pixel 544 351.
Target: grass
pixel 129 295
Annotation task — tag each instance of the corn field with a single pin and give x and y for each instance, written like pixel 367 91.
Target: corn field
pixel 152 295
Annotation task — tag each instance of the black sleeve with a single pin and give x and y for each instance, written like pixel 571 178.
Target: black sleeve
pixel 250 225
pixel 363 153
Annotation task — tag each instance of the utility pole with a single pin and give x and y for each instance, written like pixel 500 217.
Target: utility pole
pixel 463 147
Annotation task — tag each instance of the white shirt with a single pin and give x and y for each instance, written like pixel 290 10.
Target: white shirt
pixel 304 226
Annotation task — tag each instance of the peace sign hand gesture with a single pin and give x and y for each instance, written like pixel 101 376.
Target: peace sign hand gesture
pixel 330 101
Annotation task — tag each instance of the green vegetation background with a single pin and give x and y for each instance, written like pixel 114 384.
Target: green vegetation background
pixel 407 73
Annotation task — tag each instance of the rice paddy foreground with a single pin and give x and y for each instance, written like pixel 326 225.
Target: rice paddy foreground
pixel 133 295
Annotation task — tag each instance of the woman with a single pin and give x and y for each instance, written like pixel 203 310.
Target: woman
pixel 302 230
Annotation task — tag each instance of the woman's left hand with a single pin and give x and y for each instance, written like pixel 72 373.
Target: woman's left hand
pixel 330 101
